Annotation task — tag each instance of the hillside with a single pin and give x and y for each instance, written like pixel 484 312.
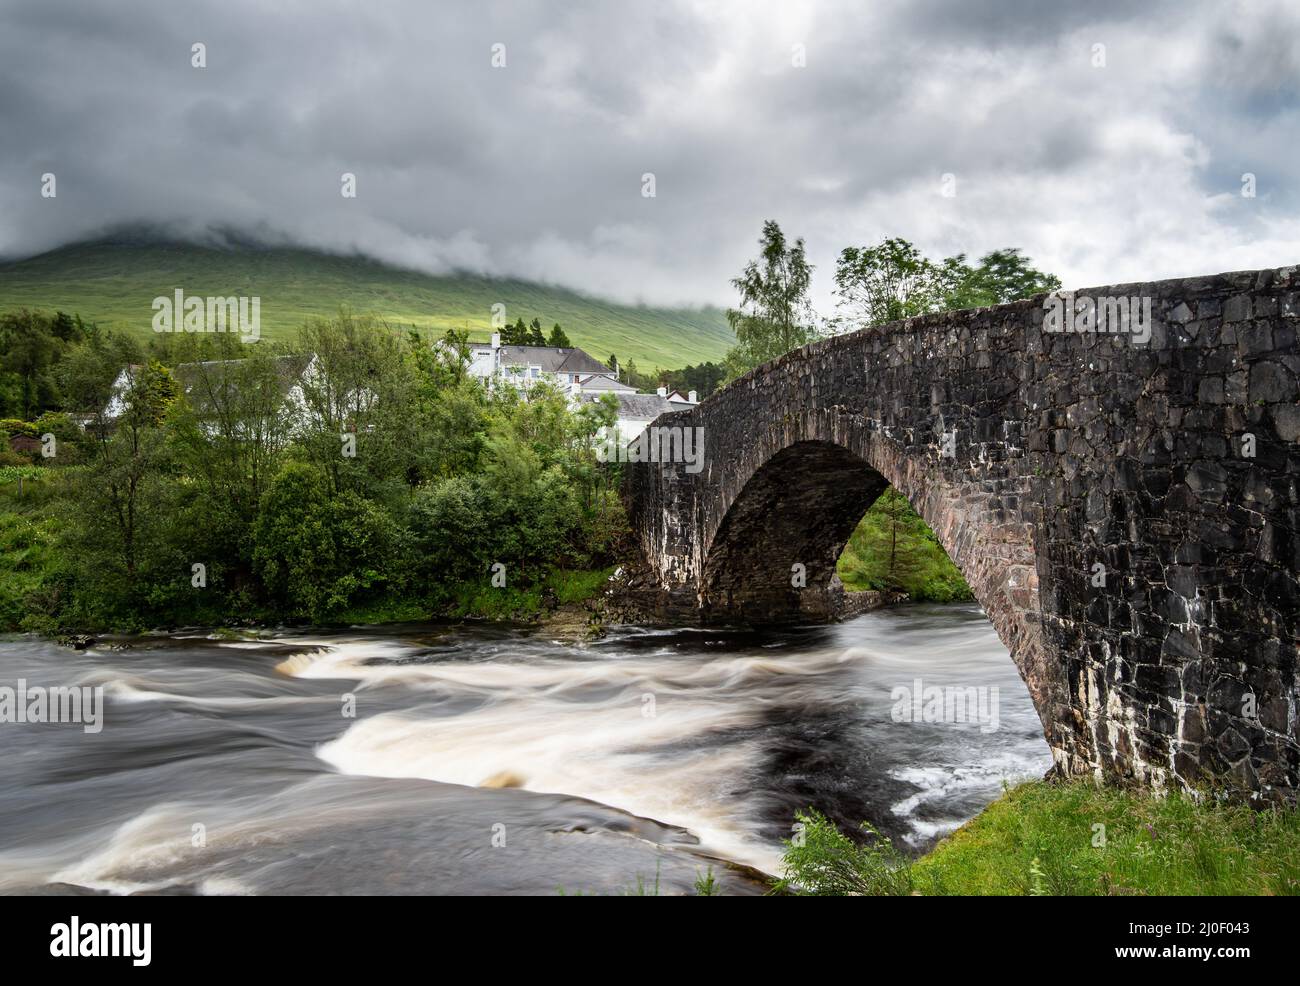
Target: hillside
pixel 114 283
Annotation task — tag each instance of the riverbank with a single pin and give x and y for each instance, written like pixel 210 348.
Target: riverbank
pixel 1072 839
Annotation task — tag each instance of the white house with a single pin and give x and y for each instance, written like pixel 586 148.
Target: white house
pixel 635 411
pixel 677 399
pixel 207 384
pixel 523 366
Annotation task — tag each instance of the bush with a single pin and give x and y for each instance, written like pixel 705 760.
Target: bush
pixel 16 426
pixel 827 863
pixel 318 553
pixel 464 525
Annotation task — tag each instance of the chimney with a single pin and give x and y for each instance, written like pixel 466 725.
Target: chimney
pixel 496 340
pixel 692 398
pixel 663 391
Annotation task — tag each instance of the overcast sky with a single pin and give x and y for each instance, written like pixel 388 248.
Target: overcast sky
pixel 1128 171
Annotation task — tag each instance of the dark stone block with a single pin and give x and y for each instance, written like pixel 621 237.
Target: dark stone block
pixel 1069 449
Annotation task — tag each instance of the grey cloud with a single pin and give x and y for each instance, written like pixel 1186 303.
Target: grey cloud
pixel 534 170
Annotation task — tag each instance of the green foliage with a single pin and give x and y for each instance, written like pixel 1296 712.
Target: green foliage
pixel 894 280
pixel 1000 277
pixel 29 349
pixel 893 549
pixel 703 379
pixel 30 576
pixel 774 315
pixel 1068 839
pixel 317 552
pixel 827 863
pixel 10 427
pixel 464 525
pixel 1080 839
pixel 558 338
pixel 706 885
pixel 890 281
pixel 204 460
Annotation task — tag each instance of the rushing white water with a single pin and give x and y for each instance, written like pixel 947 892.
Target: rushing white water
pixel 399 760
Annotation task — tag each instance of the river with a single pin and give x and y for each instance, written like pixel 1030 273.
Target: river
pixel 493 759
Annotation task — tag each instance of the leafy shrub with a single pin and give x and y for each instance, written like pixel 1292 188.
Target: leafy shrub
pixel 827 863
pixel 16 426
pixel 463 525
pixel 319 553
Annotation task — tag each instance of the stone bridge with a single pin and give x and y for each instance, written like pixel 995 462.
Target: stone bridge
pixel 1123 504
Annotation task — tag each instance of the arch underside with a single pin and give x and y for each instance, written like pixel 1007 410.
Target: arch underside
pixel 798 509
pixel 801 507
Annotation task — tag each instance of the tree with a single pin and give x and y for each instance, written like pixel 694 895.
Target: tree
pixel 230 434
pixel 892 548
pixel 894 280
pixel 774 315
pixel 1002 276
pixel 535 336
pixel 28 348
pixel 889 281
pixel 886 540
pixel 121 514
pixel 361 384
pixel 317 552
pixel 558 339
pixel 515 335
pixel 703 379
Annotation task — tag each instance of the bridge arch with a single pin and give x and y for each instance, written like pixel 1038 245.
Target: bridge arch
pixel 801 502
pixel 1039 458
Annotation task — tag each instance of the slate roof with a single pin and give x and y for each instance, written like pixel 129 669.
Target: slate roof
pixel 552 359
pixel 203 382
pixel 601 382
pixel 640 407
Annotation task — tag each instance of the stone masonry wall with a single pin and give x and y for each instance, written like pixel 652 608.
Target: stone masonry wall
pixel 1125 512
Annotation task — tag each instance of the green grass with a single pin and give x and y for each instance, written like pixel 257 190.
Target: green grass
pixel 484 601
pixel 1074 839
pixel 29 563
pixel 114 283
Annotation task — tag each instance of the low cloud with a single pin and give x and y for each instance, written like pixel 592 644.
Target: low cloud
pixel 1102 173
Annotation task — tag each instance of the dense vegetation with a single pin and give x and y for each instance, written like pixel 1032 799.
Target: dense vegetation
pixel 893 548
pixel 704 379
pixel 400 485
pixel 1049 839
pixel 873 285
pixel 116 281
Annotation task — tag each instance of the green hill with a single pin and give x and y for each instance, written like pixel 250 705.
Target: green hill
pixel 114 282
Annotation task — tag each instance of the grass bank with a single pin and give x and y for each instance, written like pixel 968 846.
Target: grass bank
pixel 1075 839
pixel 560 587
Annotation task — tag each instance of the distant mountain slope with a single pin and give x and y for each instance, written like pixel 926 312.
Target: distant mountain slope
pixel 115 282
